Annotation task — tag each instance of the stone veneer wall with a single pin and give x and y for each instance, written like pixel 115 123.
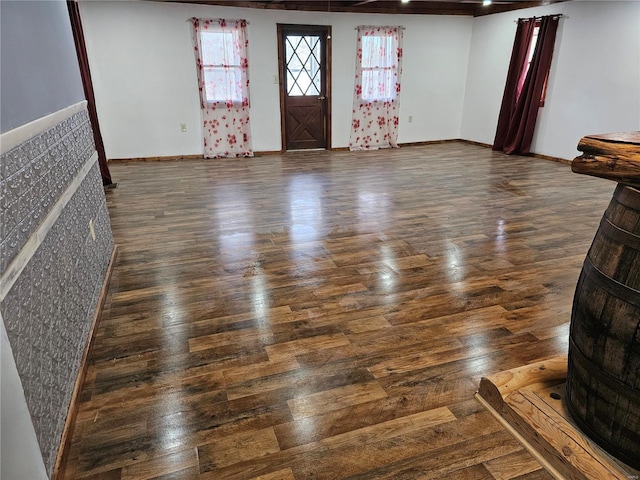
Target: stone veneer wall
pixel 52 179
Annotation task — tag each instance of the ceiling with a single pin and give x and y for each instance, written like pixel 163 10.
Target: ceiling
pixel 419 7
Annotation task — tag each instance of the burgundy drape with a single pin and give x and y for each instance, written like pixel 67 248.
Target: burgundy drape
pixel 524 34
pixel 518 114
pixel 85 73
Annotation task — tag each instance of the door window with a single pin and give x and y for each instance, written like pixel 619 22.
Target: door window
pixel 302 54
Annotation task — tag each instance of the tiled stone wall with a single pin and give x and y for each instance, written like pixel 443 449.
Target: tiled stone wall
pixel 49 309
pixel 34 175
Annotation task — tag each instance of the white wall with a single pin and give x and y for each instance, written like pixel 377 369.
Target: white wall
pixel 594 83
pixel 144 75
pixel 454 72
pixel 25 93
pixel 21 457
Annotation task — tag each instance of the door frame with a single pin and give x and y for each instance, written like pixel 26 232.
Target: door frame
pixel 283 28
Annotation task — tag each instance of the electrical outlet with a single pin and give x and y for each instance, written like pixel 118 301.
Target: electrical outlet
pixel 183 127
pixel 410 118
pixel 92 230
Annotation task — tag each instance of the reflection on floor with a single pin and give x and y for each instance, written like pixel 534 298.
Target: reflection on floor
pixel 328 315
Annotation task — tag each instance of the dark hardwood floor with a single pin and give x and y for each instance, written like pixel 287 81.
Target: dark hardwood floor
pixel 328 315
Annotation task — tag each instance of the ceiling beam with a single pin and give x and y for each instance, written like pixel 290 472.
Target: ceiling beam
pixel 415 7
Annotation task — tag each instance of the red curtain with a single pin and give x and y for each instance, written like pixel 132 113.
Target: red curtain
pixel 85 73
pixel 518 113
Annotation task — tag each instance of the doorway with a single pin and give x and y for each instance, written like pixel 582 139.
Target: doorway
pixel 304 57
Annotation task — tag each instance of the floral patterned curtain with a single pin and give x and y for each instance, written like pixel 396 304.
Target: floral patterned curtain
pixel 223 80
pixel 377 88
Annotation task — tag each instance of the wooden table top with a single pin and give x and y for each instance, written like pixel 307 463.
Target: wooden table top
pixel 619 137
pixel 615 156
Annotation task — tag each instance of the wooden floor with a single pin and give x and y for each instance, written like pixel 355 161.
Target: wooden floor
pixel 328 315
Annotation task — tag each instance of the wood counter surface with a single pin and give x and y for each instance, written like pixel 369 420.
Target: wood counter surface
pixel 615 156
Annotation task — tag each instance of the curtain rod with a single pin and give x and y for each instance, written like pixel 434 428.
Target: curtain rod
pixel 558 15
pixel 216 19
pixel 380 26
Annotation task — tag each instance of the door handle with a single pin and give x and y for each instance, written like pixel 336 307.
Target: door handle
pixel 322 97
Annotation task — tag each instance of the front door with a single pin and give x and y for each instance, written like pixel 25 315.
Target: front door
pixel 304 88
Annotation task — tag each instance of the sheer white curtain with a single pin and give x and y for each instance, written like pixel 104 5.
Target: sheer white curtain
pixel 377 88
pixel 221 58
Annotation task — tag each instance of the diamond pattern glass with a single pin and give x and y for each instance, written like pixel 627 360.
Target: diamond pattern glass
pixel 303 65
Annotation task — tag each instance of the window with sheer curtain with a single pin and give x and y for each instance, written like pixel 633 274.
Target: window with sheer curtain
pixel 379 68
pixel 377 88
pixel 221 59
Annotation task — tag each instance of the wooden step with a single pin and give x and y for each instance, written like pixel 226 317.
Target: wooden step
pixel 529 402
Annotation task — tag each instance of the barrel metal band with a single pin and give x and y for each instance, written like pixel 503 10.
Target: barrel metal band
pixel 627 196
pixel 618 386
pixel 619 235
pixel 610 285
pixel 627 457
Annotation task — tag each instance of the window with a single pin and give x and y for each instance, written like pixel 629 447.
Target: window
pixel 532 46
pixel 223 65
pixel 220 47
pixel 523 75
pixel 379 62
pixel 376 99
pixel 525 84
pixel 303 65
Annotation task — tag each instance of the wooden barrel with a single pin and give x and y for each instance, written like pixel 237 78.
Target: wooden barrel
pixel 603 377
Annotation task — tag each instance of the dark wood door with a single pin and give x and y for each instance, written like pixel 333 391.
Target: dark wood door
pixel 304 86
